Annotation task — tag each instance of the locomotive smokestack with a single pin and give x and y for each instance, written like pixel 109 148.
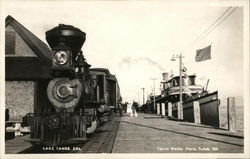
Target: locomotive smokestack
pixel 66 36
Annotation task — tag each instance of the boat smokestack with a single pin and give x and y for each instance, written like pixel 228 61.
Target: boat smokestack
pixel 165 76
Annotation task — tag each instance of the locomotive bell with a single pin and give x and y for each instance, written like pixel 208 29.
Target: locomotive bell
pixel 66 42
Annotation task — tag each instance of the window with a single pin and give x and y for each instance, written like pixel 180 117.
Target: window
pixel 185 81
pixel 175 82
pixel 10 41
pixel 192 80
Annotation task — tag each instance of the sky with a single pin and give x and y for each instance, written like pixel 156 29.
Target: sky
pixel 135 40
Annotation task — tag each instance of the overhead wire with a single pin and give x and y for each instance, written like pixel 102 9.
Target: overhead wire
pixel 219 22
pixel 213 25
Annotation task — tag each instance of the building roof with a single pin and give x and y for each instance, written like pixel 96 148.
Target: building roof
pixel 37 46
pixel 28 68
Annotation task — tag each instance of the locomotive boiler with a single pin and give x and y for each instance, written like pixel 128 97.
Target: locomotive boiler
pixel 75 107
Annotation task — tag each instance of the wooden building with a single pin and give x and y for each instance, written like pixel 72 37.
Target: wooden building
pixel 27 68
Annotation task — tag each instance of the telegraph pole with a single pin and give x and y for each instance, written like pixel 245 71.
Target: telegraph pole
pixel 180 80
pixel 143 97
pixel 138 97
pixel 180 65
pixel 154 91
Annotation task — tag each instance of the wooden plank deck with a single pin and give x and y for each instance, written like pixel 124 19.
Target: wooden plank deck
pixel 17 144
pixel 149 134
pixel 101 141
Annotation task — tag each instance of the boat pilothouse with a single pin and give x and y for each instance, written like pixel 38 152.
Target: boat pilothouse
pixel 171 87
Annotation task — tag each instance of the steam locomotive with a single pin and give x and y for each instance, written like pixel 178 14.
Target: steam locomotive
pixel 80 98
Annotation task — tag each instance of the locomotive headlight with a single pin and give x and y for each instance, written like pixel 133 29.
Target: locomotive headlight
pixel 61 57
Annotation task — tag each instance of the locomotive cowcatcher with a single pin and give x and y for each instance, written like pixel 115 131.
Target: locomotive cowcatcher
pixel 74 106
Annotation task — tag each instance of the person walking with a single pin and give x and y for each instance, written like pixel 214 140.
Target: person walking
pixel 133 107
pixel 125 107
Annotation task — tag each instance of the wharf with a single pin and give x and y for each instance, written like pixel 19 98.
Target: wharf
pixel 146 133
pixel 101 141
pixel 153 134
pixel 17 144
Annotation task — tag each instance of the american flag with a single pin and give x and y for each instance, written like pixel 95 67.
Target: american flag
pixel 203 54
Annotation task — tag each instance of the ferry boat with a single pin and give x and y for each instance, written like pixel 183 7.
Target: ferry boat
pixel 171 87
pixel 191 92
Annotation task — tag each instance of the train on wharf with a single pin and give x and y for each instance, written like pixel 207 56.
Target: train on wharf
pixel 78 99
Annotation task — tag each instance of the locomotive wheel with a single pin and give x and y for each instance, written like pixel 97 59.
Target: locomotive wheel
pixel 93 127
